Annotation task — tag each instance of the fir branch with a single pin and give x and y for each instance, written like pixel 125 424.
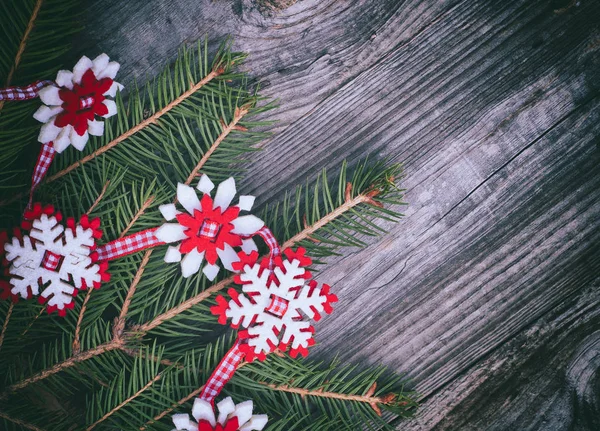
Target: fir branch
pixel 71 361
pixel 5 324
pixel 135 218
pixel 179 403
pixel 22 44
pixel 124 403
pixel 20 422
pixel 99 198
pixel 368 398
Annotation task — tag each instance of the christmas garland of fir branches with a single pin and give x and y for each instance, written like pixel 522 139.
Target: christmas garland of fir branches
pixel 139 349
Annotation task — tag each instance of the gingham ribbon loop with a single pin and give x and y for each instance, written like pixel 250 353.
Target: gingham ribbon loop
pixel 47 153
pixel 51 260
pixel 30 91
pixel 274 249
pixel 222 374
pixel 128 245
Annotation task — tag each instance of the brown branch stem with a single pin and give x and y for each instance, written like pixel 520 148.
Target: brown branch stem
pixel 79 357
pixel 5 324
pixel 20 422
pixel 19 55
pixel 153 119
pixel 127 401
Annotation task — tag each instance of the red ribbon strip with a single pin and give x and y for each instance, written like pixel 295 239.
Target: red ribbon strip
pixel 47 153
pixel 222 374
pixel 128 245
pixel 23 93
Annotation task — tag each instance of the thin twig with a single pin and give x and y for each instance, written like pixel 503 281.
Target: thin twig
pixel 368 398
pixel 127 401
pixel 76 343
pixel 173 407
pixel 153 119
pixel 20 422
pixel 80 357
pixel 30 25
pixel 33 321
pixel 136 353
pixel 135 218
pixel 99 198
pixel 5 324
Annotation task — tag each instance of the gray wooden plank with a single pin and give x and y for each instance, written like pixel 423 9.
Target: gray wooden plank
pixel 493 108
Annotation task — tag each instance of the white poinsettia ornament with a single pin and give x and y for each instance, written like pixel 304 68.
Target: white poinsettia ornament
pixel 209 229
pixel 75 106
pixel 232 417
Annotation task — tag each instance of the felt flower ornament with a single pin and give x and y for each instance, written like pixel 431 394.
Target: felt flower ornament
pixel 209 229
pixel 75 107
pixel 232 417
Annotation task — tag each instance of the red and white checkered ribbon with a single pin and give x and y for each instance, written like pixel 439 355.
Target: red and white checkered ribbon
pixel 30 91
pixel 51 260
pixel 128 245
pixel 47 153
pixel 274 249
pixel 222 374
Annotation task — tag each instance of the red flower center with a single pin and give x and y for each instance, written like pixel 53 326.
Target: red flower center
pixel 83 102
pixel 231 425
pixel 209 229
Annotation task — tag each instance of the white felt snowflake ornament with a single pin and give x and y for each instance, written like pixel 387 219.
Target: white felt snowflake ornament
pixel 275 306
pixel 208 229
pixel 74 108
pixel 231 417
pixel 54 262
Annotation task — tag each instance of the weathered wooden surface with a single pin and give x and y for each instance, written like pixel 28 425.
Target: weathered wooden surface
pixel 486 294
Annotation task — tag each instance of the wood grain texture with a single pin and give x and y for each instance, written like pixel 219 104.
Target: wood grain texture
pixel 486 294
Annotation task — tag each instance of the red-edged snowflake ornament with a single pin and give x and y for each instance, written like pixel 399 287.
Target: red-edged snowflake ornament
pixel 75 107
pixel 209 229
pixel 275 306
pixel 231 417
pixel 52 261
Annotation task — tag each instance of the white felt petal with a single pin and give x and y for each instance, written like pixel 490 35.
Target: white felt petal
pixel 248 246
pixel 172 255
pixel 225 194
pixel 112 91
pixel 170 232
pixel 64 78
pixel 49 96
pixel 44 113
pixel 191 262
pixel 100 64
pixel 257 423
pixel 79 141
pixel 210 271
pixel 246 202
pixel 188 198
pixel 205 185
pixel 182 421
pixel 243 411
pixel 80 68
pixel 227 256
pixel 48 132
pixel 63 140
pixel 112 108
pixel 95 127
pixel 110 71
pixel 247 225
pixel 202 410
pixel 169 211
pixel 225 407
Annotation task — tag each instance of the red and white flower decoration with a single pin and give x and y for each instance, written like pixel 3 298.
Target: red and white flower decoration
pixel 231 417
pixel 276 306
pixel 209 229
pixel 75 107
pixel 51 260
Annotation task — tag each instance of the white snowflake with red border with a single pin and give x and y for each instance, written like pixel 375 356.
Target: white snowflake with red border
pixel 232 417
pixel 75 107
pixel 209 229
pixel 52 261
pixel 275 306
